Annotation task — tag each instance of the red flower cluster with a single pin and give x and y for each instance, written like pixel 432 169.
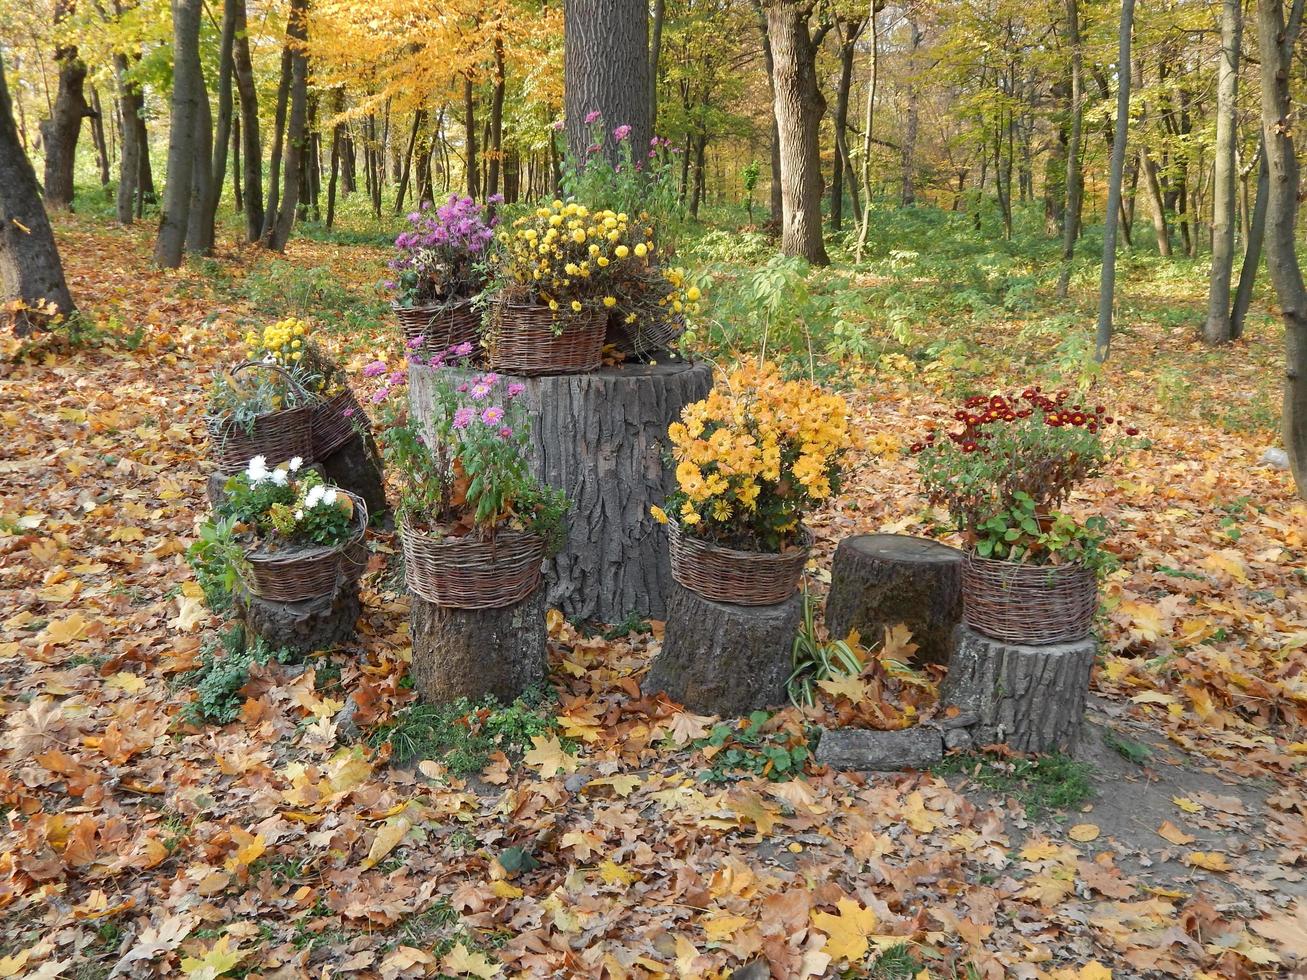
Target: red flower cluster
pixel 979 413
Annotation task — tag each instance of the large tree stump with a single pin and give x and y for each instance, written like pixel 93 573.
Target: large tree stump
pixel 601 438
pixel 474 652
pixel 355 466
pixel 301 627
pixel 880 580
pixel 1031 698
pixel 722 659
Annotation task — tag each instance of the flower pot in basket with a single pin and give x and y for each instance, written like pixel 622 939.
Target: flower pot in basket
pixel 524 339
pixel 443 326
pixel 335 420
pixel 742 578
pixel 277 436
pixel 1034 605
pixel 470 573
pixel 645 338
pixel 297 574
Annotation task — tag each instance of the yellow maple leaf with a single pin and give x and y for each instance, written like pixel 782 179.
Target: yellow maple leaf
pixel 1083 832
pixel 219 958
pixel 190 613
pixel 848 931
pixel 250 848
pixel 389 835
pixel 548 754
pixel 721 927
pixel 918 817
pixel 614 874
pixel 1186 804
pixel 459 961
pixel 504 889
pixel 67 630
pixel 1094 970
pixel 1208 860
pixel 1040 849
pixel 853 688
pixel 1145 620
pixel 126 681
pixel 1174 834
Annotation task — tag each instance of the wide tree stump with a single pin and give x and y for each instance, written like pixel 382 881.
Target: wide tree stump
pixel 601 438
pixel 727 660
pixel 1029 697
pixel 356 466
pixel 474 652
pixel 302 627
pixel 881 580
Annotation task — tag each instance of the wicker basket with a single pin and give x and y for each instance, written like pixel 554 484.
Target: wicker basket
pixel 335 421
pixel 645 339
pixel 468 573
pixel 442 327
pixel 522 339
pixel 277 436
pixel 299 574
pixel 742 578
pixel 1032 605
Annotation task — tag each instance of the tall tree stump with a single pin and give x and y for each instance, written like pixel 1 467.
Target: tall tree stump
pixel 301 627
pixel 880 580
pixel 727 660
pixel 601 438
pixel 355 465
pixel 474 652
pixel 1029 697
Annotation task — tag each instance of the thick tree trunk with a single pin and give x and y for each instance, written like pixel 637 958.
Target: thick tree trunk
pixel 129 163
pixel 472 653
pixel 186 88
pixel 1217 329
pixel 59 133
pixel 297 32
pixel 725 660
pixel 606 69
pixel 1252 255
pixel 145 191
pixel 30 269
pixel 199 221
pixel 1276 40
pixel 249 104
pixel 881 580
pixel 1156 203
pixel 1112 219
pixel 1074 174
pixel 799 106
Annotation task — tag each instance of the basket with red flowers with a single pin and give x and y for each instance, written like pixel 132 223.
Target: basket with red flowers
pixel 1002 470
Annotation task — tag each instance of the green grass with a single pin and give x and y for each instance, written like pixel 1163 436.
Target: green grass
pixel 1041 784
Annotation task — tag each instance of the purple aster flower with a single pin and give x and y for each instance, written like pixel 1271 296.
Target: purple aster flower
pixel 462 388
pixel 492 415
pixel 556 125
pixel 505 433
pixel 375 369
pixel 480 391
pixel 348 413
pixel 592 116
pixel 621 133
pixel 414 343
pixel 379 395
pixel 463 350
pixel 463 418
pixel 515 389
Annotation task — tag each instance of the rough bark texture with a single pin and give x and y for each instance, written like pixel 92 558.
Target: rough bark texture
pixel 297 33
pixel 356 467
pixel 1031 698
pixel 862 749
pixel 30 269
pixel 606 68
pixel 303 627
pixel 799 106
pixel 881 580
pixel 181 139
pixel 1252 256
pixel 199 218
pixel 600 438
pixel 1217 329
pixel 470 653
pixel 59 133
pixel 129 167
pixel 249 125
pixel 719 659
pixel 1074 176
pixel 1112 217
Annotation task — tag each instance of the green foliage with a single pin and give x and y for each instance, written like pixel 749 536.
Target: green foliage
pixel 896 963
pixel 751 751
pixel 1040 784
pixel 642 181
pixel 279 287
pixel 224 670
pixel 1021 533
pixel 288 506
pixel 1136 752
pixel 815 660
pixel 242 398
pixel 214 557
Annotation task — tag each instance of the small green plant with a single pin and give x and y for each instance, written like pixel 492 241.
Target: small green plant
pixel 1040 784
pixel 815 660
pixel 214 557
pixel 750 751
pixel 634 623
pixel 1021 533
pixel 1136 752
pixel 224 670
pixel 896 963
pixel 749 174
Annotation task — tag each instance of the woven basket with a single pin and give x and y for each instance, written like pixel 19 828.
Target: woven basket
pixel 522 340
pixel 442 327
pixel 299 574
pixel 742 578
pixel 468 573
pixel 332 426
pixel 645 339
pixel 277 436
pixel 1032 605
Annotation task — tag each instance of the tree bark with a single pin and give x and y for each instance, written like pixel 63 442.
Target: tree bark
pixel 496 123
pixel 1074 175
pixel 297 32
pixel 606 69
pixel 418 117
pixel 199 218
pixel 1156 203
pixel 799 106
pixel 129 163
pixel 1276 39
pixel 1112 219
pixel 186 86
pixel 337 148
pixel 908 150
pixel 1217 329
pixel 655 53
pixel 30 269
pixel 278 141
pixel 97 135
pixel 59 133
pixel 305 627
pixel 842 167
pixel 222 135
pixel 249 105
pixel 1252 255
pixel 470 137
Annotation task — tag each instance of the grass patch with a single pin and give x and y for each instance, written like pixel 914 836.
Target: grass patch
pixel 1040 784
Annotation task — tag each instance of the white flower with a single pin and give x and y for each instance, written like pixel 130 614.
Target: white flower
pixel 295 463
pixel 299 515
pixel 257 471
pixel 330 496
pixel 312 498
pixel 280 477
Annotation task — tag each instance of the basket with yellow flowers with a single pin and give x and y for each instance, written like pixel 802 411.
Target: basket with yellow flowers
pixel 751 460
pixel 558 272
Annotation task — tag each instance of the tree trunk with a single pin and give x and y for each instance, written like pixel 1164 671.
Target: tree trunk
pixel 1153 188
pixel 908 152
pixel 1217 329
pixel 1276 40
pixel 337 146
pixel 222 133
pixel 129 164
pixel 59 133
pixel 606 69
pixel 1112 218
pixel 199 219
pixel 186 87
pixel 842 167
pixel 799 106
pixel 238 199
pixel 1074 175
pixel 249 103
pixel 769 61
pixel 655 53
pixel 1252 255
pixel 496 123
pixel 869 118
pixel 97 136
pixel 278 141
pixel 323 623
pixel 696 198
pixel 418 117
pixel 30 270
pixel 470 137
pixel 297 32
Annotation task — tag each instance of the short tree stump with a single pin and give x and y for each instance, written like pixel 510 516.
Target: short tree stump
pixel 475 652
pixel 722 659
pixel 355 465
pixel 881 580
pixel 1031 698
pixel 301 627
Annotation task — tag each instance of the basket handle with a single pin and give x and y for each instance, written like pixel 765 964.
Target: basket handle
pixel 306 395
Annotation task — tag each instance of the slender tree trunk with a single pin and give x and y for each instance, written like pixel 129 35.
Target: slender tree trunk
pixel 97 135
pixel 30 270
pixel 848 48
pixel 297 32
pixel 59 133
pixel 129 163
pixel 1252 255
pixel 1106 293
pixel 145 191
pixel 199 219
pixel 1074 175
pixel 186 87
pixel 908 152
pixel 1217 329
pixel 700 146
pixel 496 123
pixel 238 198
pixel 337 146
pixel 799 106
pixel 606 69
pixel 470 137
pixel 769 61
pixel 1276 40
pixel 249 104
pixel 655 53
pixel 1156 202
pixel 419 116
pixel 869 118
pixel 278 138
pixel 222 133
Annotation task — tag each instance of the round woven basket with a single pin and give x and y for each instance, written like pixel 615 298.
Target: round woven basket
pixel 299 574
pixel 1032 605
pixel 335 420
pixel 645 338
pixel 277 436
pixel 442 327
pixel 742 578
pixel 522 339
pixel 468 573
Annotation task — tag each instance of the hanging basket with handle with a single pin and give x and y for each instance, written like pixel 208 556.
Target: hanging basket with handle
pixel 301 573
pixel 277 436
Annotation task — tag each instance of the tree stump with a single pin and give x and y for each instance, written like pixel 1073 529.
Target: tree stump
pixel 301 627
pixel 1029 697
pixel 881 580
pixel 474 652
pixel 601 438
pixel 722 659
pixel 356 466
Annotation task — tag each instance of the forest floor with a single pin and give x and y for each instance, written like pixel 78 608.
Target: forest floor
pixel 625 842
